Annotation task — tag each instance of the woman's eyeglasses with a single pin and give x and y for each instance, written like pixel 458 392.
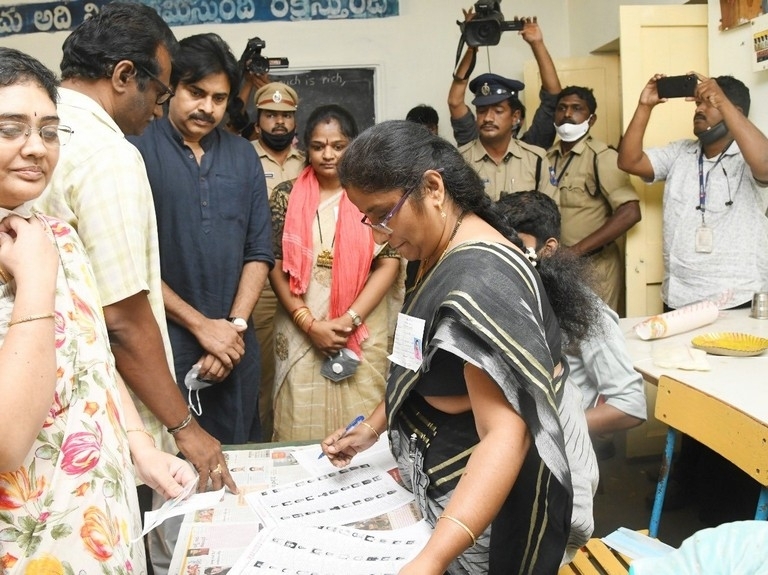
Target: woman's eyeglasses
pixel 382 227
pixel 53 135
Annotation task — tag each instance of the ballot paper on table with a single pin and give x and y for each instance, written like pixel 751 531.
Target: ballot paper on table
pixel 339 497
pixel 678 321
pixel 182 504
pixel 635 545
pixel 320 550
pixel 377 455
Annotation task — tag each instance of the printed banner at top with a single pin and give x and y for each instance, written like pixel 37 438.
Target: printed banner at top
pixel 66 15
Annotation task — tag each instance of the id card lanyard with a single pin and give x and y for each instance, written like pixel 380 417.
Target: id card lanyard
pixel 704 239
pixel 555 180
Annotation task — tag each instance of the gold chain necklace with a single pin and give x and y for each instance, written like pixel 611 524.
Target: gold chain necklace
pixel 424 266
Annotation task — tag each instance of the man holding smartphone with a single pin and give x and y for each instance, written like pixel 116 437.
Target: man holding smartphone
pixel 715 235
pixel 714 226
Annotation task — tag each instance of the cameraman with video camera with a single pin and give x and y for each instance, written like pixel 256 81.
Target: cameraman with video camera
pixel 491 139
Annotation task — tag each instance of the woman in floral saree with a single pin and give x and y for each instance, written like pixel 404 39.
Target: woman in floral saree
pixel 67 486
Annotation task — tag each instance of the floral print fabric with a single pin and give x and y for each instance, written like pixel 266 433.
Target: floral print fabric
pixel 71 508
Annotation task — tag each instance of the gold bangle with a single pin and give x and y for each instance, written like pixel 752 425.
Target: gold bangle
pixel 300 317
pixel 297 310
pixel 30 318
pixel 460 524
pixel 182 425
pixel 376 433
pixel 144 431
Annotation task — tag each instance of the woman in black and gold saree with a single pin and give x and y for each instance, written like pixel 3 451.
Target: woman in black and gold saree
pixel 472 404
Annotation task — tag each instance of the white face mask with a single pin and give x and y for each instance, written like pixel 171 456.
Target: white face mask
pixel 572 132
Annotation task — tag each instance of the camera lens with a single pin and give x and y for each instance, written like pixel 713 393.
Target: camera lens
pixel 258 65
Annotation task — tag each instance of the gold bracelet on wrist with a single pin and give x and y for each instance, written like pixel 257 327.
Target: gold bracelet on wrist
pixel 462 525
pixel 295 312
pixel 376 433
pixel 27 318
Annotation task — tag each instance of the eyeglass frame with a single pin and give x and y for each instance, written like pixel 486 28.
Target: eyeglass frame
pixel 381 226
pixel 29 129
pixel 167 93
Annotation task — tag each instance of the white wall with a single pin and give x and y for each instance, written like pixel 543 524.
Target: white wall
pixel 414 53
pixel 730 52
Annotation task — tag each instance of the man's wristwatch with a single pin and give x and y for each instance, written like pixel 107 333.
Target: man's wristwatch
pixel 238 321
pixel 356 319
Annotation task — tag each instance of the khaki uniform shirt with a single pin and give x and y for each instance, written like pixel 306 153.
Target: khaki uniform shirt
pixel 584 208
pixel 274 172
pixel 515 173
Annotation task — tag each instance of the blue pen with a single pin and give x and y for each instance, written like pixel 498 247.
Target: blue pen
pixel 354 423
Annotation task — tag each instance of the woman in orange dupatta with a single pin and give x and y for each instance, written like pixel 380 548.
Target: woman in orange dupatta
pixel 335 287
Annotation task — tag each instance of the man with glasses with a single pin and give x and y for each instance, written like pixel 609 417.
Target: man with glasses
pixel 115 69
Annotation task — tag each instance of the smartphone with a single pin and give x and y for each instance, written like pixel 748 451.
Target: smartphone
pixel 677 86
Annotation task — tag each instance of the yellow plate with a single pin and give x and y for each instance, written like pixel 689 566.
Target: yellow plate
pixel 730 343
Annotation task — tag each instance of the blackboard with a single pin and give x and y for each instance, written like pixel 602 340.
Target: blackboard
pixel 351 88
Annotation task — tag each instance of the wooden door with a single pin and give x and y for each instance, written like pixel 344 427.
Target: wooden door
pixel 601 73
pixel 672 40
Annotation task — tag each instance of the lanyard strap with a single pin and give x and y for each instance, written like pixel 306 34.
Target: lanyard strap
pixel 556 181
pixel 704 181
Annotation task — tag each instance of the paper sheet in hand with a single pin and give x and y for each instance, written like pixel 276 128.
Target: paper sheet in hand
pixel 377 455
pixel 181 505
pixel 336 498
pixel 635 545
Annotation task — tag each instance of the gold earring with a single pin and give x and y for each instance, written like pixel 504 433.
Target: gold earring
pixel 442 213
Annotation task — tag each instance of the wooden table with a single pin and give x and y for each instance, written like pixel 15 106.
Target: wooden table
pixel 725 408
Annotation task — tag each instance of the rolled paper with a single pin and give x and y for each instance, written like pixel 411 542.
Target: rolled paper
pixel 678 321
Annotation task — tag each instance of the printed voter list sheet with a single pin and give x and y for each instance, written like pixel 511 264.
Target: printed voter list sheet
pixel 378 455
pixel 297 549
pixel 407 346
pixel 335 498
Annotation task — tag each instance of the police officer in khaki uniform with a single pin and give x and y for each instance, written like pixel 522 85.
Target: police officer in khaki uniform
pixel 505 164
pixel 597 202
pixel 276 105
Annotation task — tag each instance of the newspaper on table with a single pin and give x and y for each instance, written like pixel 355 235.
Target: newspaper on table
pixel 212 540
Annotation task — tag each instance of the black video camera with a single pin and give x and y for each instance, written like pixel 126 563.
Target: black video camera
pixel 486 27
pixel 254 62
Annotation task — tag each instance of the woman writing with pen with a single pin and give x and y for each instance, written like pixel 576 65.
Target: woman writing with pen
pixel 475 428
